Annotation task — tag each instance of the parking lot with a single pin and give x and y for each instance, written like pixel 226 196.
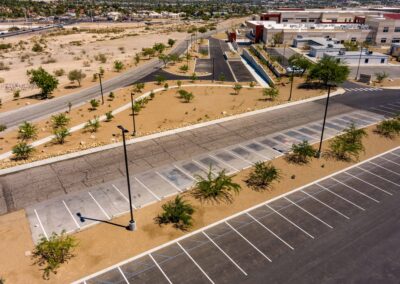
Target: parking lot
pixel 240 71
pixel 111 199
pixel 251 242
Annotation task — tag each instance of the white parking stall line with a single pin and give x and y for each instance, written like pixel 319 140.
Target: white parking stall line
pixel 123 275
pixel 323 203
pixel 378 176
pixel 290 221
pixel 123 196
pixel 198 266
pixel 386 169
pixel 390 161
pixel 389 108
pixel 101 208
pixel 257 153
pixel 378 188
pixel 345 199
pixel 382 110
pixel 41 225
pixel 185 172
pixel 244 238
pixel 225 163
pixel 265 227
pixel 70 213
pixel 394 154
pixel 171 183
pixel 237 156
pixel 227 256
pixel 162 271
pixel 359 192
pixel 148 189
pixel 309 213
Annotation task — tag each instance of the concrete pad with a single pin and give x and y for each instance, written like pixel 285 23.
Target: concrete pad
pixel 143 270
pixel 327 132
pixel 191 168
pixel 34 224
pixel 266 152
pixel 245 154
pixel 140 195
pixel 208 162
pixel 176 177
pixel 230 159
pixel 268 141
pixel 298 136
pixel 156 184
pixel 309 132
pixel 112 276
pixel 113 202
pixel 285 140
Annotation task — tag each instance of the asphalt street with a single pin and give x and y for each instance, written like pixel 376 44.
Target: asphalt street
pixel 27 187
pixel 342 229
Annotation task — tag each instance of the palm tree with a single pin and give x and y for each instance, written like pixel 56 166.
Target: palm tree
pixel 215 188
pixel 59 120
pixel 177 212
pixel 27 131
pixel 60 134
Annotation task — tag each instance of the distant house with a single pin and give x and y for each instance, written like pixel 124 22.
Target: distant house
pixel 354 57
pixel 395 50
pixel 318 45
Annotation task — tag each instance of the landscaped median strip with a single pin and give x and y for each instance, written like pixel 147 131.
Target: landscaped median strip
pixel 225 220
pixel 151 136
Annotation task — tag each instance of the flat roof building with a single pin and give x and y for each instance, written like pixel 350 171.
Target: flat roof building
pixel 354 57
pixel 317 46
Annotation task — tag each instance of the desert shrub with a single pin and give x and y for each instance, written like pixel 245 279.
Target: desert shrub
pixel 111 96
pixel 4 46
pixel 37 47
pixel 166 86
pixel 76 75
pixel 22 151
pixel 16 94
pixel 389 128
pixel 27 131
pixel 252 84
pixel 184 68
pixel 2 127
pixel 171 42
pixel 186 96
pixel 101 57
pixel 94 104
pixel 118 65
pixel 271 93
pixel 237 87
pixel 221 77
pixel 92 125
pixel 53 252
pixel 59 72
pixel 177 212
pixel 160 79
pixel 152 95
pixel 4 67
pixel 215 187
pixel 263 175
pixel 59 120
pixel 139 87
pixel 193 77
pixel 301 153
pixel 109 116
pixel 380 76
pixel 60 134
pixel 349 144
pixel 179 83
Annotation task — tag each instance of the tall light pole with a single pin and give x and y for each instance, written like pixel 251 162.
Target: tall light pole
pixel 323 124
pixel 101 88
pixel 133 116
pixel 359 62
pixel 291 84
pixel 132 225
pixel 213 69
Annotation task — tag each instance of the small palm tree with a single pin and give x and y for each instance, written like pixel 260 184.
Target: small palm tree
pixel 22 151
pixel 109 116
pixel 92 125
pixel 27 131
pixel 271 93
pixel 186 96
pixel 215 188
pixel 301 153
pixel 177 212
pixel 263 175
pixel 59 120
pixel 60 135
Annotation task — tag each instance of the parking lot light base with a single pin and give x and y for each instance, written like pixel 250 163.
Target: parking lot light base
pixel 131 226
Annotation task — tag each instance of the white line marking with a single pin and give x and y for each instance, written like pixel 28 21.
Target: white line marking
pixel 389 108
pixel 123 275
pixel 323 203
pixel 359 192
pixel 236 155
pixel 168 181
pixel 378 176
pixel 386 169
pixel 390 161
pixel 70 213
pixel 41 225
pixel 185 172
pixel 215 158
pixel 309 213
pixel 127 200
pixel 265 227
pixel 148 189
pixel 198 266
pixel 158 266
pixel 384 111
pixel 260 252
pixel 395 154
pixel 378 188
pixel 265 158
pixel 291 222
pixel 345 199
pixel 221 250
pixel 101 208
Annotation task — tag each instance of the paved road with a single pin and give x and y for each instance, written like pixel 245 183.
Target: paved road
pixel 342 229
pixel 21 189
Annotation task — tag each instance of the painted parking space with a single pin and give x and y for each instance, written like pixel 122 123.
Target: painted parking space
pixel 236 247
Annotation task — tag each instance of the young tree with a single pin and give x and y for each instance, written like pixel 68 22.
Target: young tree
pixel 138 87
pixel 164 58
pixel 177 212
pixel 263 175
pixel 277 38
pixel 94 104
pixel 237 87
pixel 329 71
pixel 53 252
pixel 380 76
pixel 44 80
pixel 76 75
pixel 171 42
pixel 186 96
pixel 60 134
pixel 159 47
pixel 22 151
pixel 349 144
pixel 59 120
pixel 148 52
pixel 92 125
pixel 160 79
pixel 299 61
pixel 27 131
pixel 271 93
pixel 389 128
pixel 118 65
pixel 302 153
pixel 215 188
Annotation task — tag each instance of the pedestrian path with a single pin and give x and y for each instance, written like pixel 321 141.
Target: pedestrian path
pixel 363 89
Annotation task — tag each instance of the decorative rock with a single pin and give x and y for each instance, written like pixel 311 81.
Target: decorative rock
pixel 28 253
pixel 223 112
pixel 92 136
pixel 82 143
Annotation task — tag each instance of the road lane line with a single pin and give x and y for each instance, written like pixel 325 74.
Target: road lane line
pixel 162 271
pixel 148 189
pixel 345 199
pixel 198 266
pixel 244 238
pixel 386 169
pixel 101 208
pixel 41 225
pixel 168 181
pixel 378 188
pixel 378 176
pixel 291 222
pixel 221 250
pixel 265 227
pixel 323 203
pixel 123 275
pixel 70 213
pixel 359 192
pixel 297 205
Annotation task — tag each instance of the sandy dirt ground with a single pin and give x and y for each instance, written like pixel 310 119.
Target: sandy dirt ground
pixel 209 103
pixel 104 245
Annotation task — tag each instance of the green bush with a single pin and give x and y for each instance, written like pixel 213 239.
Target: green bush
pixel 237 87
pixel 301 153
pixel 60 120
pixel 160 79
pixel 271 93
pixel 2 127
pixel 22 151
pixel 27 131
pixel 349 144
pixel 92 125
pixel 94 104
pixel 263 175
pixel 389 128
pixel 118 65
pixel 111 96
pixel 60 134
pixel 152 95
pixel 186 96
pixel 177 212
pixel 53 252
pixel 37 47
pixel 109 116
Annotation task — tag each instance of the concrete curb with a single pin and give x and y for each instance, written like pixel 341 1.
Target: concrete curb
pixel 152 136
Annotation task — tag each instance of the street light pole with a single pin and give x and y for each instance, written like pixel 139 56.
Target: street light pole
pixel 291 84
pixel 101 89
pixel 213 69
pixel 359 62
pixel 187 53
pixel 133 116
pixel 132 225
pixel 323 124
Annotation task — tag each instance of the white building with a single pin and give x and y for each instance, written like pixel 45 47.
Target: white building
pixel 318 45
pixel 354 57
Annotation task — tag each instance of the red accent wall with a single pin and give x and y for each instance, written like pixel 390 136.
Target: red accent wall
pixel 231 36
pixel 259 33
